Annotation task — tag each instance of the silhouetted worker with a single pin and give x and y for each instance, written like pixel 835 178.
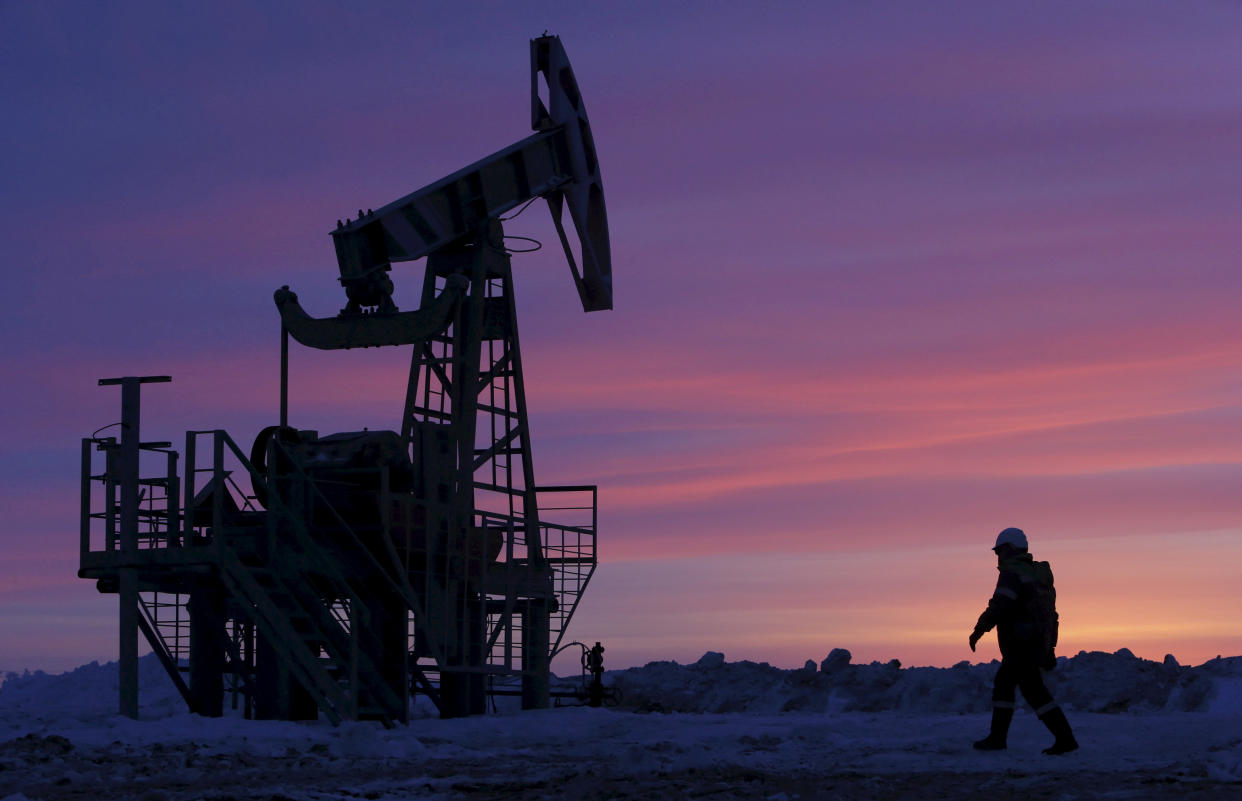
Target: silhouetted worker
pixel 1023 611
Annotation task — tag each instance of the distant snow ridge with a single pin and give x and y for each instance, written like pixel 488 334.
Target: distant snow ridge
pixel 1088 682
pixel 1091 682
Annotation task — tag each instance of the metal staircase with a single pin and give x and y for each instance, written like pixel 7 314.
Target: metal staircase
pixel 165 624
pixel 325 651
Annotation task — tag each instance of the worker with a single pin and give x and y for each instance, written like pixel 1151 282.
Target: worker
pixel 1023 612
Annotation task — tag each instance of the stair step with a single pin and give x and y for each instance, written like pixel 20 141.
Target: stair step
pixel 317 643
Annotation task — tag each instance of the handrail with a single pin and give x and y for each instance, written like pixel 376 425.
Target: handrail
pixel 160 648
pixel 161 524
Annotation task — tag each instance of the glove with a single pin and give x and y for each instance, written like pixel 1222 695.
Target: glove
pixel 974 638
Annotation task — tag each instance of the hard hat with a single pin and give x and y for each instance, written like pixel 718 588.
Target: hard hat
pixel 1011 536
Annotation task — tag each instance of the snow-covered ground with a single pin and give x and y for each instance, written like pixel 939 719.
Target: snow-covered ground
pixel 713 729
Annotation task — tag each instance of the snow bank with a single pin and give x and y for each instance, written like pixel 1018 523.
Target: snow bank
pixel 88 694
pixel 1091 682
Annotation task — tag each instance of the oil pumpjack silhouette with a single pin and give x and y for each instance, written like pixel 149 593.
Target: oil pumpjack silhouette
pixel 337 574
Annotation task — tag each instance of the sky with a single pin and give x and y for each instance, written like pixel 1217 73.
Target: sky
pixel 889 277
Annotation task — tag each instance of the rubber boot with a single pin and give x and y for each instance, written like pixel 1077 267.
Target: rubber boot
pixel 1057 724
pixel 999 736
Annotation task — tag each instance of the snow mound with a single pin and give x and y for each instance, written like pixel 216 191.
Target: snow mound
pixel 87 694
pixel 1091 682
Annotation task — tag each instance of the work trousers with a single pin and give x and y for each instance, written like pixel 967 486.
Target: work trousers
pixel 1023 675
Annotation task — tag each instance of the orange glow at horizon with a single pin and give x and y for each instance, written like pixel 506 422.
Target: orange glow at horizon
pixel 919 603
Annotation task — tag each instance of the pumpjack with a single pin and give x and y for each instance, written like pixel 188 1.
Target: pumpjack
pixel 334 575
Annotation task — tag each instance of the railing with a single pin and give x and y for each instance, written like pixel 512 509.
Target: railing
pixel 504 622
pixel 159 509
pixel 225 461
pixel 569 548
pixel 166 625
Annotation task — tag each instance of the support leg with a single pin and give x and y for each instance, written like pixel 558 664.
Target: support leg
pixel 207 652
pixel 128 644
pixel 536 634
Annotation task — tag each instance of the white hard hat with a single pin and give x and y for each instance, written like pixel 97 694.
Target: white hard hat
pixel 1011 536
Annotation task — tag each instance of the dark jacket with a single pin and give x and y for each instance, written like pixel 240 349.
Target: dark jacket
pixel 1013 609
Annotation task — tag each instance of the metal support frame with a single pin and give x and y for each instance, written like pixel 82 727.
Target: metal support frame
pixel 299 604
pixel 468 381
pixel 126 476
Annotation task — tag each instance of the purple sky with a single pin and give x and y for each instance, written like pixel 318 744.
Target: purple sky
pixel 890 276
